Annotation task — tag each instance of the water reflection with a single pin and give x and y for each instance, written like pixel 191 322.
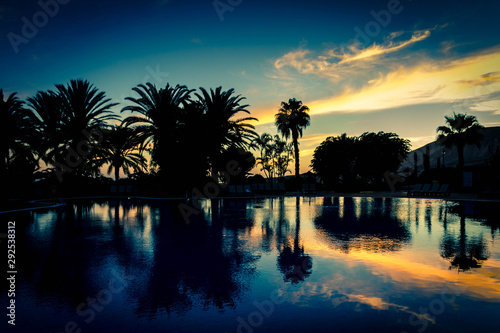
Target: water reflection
pixel 202 263
pixel 362 224
pixel 463 252
pixel 376 262
pixel 293 263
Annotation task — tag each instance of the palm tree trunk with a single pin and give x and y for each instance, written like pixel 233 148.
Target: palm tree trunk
pixel 460 149
pixel 117 173
pixel 297 165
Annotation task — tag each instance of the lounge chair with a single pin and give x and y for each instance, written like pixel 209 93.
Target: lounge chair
pixel 232 189
pixel 434 189
pixel 248 189
pixel 443 191
pixel 416 189
pixel 113 189
pixel 425 189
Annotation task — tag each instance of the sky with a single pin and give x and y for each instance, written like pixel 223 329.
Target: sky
pixel 360 66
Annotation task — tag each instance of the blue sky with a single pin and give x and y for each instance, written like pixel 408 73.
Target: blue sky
pixel 420 61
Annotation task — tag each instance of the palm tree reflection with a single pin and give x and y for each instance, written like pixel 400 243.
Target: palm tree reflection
pixel 203 261
pixel 293 262
pixel 466 252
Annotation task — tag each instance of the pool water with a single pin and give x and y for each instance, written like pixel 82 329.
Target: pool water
pixel 305 264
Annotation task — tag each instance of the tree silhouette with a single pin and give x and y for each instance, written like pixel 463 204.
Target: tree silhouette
pixel 17 162
pixel 84 108
pixel 262 144
pixel 158 124
pixel 69 116
pixel 275 155
pixel 282 153
pixel 14 134
pixel 379 153
pixel 346 161
pixel 291 119
pixel 48 122
pixel 119 150
pixel 460 130
pixel 334 160
pixel 220 108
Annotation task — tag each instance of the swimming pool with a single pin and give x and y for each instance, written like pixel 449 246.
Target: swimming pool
pixel 305 264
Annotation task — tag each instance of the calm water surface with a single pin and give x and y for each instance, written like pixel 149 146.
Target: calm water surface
pixel 259 265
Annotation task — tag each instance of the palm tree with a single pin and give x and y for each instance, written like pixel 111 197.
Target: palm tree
pixel 220 107
pixel 84 107
pixel 14 122
pixel 460 130
pixel 48 122
pixel 158 123
pixel 262 143
pixel 292 118
pixel 17 163
pixel 85 110
pixel 120 150
pixel 283 152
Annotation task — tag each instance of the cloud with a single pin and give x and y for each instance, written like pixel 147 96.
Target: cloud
pixel 389 47
pixel 427 80
pixel 196 41
pixel 338 63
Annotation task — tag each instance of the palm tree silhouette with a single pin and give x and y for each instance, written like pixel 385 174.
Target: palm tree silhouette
pixel 13 135
pixel 219 109
pixel 158 122
pixel 84 107
pixel 282 156
pixel 460 130
pixel 48 124
pixel 17 162
pixel 291 118
pixel 119 150
pixel 262 144
pixel 84 110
